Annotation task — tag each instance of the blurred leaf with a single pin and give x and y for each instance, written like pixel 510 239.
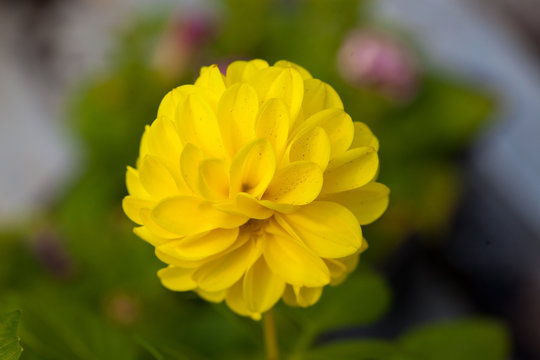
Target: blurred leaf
pixel 442 120
pixel 421 144
pixel 436 204
pixel 59 325
pixel 245 25
pixel 110 115
pixel 10 349
pixel 356 350
pixel 424 196
pixel 360 300
pixel 295 33
pixel 463 340
pixel 155 353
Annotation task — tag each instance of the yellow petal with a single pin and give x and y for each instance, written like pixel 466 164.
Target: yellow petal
pixel 292 261
pixel 282 83
pixel 215 297
pixel 353 169
pixel 273 124
pixel 252 168
pixel 301 296
pixel 211 80
pixel 165 145
pixel 143 147
pixel 243 70
pixel 152 227
pixel 185 215
pixel 237 110
pixel 245 204
pixel 262 289
pixel 134 186
pixel 197 124
pixel 298 183
pixel 190 160
pixel 235 301
pixel 163 140
pixel 167 258
pixel 307 296
pixel 338 126
pixel 303 72
pixel 327 228
pixel 282 208
pixel 226 270
pixel 350 263
pixel 364 137
pixel 289 297
pixel 336 267
pixel 132 207
pixel 169 105
pixel 169 254
pixel 176 278
pixel 214 179
pixel 313 146
pixel 367 203
pixel 148 236
pixel 156 178
pixel 364 246
pixel 200 246
pixel 319 96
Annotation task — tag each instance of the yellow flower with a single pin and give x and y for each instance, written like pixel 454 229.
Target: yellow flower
pixel 252 186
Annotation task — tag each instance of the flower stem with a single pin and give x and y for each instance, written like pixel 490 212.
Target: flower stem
pixel 270 339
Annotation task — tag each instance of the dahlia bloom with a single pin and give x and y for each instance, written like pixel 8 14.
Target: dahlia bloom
pixel 253 186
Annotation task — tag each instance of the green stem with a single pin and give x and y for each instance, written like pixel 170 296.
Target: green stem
pixel 270 339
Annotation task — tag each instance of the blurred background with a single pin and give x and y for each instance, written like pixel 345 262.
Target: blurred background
pixel 450 87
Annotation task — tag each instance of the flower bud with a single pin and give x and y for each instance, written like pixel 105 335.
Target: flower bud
pixel 376 60
pixel 185 36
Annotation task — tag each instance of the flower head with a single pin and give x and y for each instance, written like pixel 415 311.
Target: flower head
pixel 253 186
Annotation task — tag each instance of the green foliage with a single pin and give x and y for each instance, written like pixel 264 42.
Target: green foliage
pixel 420 146
pixel 245 26
pixel 10 349
pixel 299 31
pixel 443 117
pixel 464 339
pixel 66 328
pixel 362 299
pixel 357 350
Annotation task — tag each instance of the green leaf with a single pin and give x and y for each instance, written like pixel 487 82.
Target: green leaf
pixel 462 339
pixel 61 325
pixel 357 350
pixel 360 300
pixel 10 349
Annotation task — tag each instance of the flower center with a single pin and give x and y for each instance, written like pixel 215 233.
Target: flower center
pixel 254 227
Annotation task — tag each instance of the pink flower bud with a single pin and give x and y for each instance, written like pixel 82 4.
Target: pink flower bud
pixel 185 36
pixel 378 61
